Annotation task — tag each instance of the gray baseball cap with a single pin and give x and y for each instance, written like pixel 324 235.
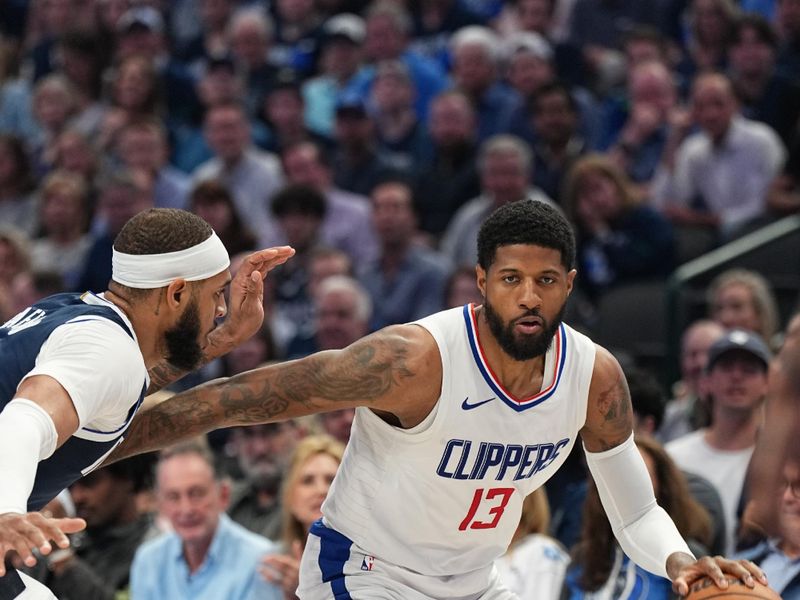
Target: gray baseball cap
pixel 739 340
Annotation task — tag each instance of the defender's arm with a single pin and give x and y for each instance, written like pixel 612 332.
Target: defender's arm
pixel 396 370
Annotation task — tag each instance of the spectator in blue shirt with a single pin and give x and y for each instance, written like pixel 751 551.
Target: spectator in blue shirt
pixel 207 556
pixel 780 557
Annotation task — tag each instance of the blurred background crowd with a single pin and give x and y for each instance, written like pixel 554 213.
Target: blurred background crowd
pixel 374 137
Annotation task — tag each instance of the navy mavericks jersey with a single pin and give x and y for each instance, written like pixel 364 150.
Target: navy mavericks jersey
pixel 21 339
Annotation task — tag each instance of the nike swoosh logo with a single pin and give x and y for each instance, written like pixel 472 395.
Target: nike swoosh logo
pixel 467 406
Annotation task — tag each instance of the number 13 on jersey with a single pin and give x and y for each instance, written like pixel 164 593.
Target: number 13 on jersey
pixel 497 500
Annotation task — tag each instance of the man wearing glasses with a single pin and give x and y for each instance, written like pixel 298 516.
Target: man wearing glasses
pixel 779 557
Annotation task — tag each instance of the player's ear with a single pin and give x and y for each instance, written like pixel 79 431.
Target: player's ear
pixel 177 293
pixel 571 280
pixel 480 276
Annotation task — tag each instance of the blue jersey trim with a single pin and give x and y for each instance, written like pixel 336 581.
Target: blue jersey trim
pixel 513 403
pixel 334 552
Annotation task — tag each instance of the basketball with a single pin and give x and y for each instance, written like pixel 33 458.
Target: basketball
pixel 705 589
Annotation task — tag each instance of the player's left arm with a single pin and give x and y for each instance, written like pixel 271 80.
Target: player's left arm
pixel 246 313
pixel 644 530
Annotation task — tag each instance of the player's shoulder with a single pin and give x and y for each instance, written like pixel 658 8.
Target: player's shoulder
pixel 410 340
pixel 606 366
pixel 100 333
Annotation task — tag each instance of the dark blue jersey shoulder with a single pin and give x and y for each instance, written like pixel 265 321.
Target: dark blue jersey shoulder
pixel 21 339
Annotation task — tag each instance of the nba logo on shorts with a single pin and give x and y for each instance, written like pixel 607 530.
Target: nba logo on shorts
pixel 367 563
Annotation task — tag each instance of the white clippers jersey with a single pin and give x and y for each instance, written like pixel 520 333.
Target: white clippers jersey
pixel 444 498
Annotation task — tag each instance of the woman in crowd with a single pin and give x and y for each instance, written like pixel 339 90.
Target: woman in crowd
pixel 601 571
pixel 54 107
pixel 710 32
pixel 620 238
pixel 212 201
pixel 134 95
pixel 308 478
pixel 742 299
pixel 64 215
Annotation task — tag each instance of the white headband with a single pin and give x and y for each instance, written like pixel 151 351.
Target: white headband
pixel 150 271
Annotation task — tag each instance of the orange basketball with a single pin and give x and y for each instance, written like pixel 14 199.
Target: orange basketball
pixel 705 589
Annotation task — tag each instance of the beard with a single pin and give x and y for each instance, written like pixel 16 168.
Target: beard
pixel 263 474
pixel 522 346
pixel 183 348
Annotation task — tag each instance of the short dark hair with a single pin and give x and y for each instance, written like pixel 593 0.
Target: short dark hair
pixel 24 177
pixel 159 230
pixel 299 199
pixel 138 470
pixel 647 397
pixel 764 30
pixel 401 182
pixel 526 222
pixel 551 88
pixel 646 33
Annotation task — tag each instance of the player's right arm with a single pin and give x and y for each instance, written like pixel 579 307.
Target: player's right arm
pixel 38 420
pixel 396 372
pixel 777 441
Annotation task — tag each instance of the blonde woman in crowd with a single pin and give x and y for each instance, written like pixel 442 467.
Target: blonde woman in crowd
pixel 742 299
pixel 64 215
pixel 311 471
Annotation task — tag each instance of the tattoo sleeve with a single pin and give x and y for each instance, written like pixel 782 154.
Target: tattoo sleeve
pixel 366 373
pixel 614 407
pixel 609 420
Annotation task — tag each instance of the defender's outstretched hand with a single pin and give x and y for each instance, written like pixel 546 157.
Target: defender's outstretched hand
pixel 715 567
pixel 246 306
pixel 26 532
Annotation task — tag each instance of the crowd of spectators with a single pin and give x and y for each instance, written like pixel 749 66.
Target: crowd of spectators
pixel 374 136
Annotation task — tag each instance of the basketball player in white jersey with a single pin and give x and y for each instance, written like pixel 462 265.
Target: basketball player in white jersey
pixel 458 417
pixel 76 367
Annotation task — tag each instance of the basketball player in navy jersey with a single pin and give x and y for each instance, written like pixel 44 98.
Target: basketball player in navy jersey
pixel 458 417
pixel 75 368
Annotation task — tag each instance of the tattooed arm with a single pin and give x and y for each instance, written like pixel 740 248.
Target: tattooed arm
pixel 396 372
pixel 609 416
pixel 643 529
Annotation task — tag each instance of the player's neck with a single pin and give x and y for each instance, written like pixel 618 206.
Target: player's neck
pixel 520 378
pixel 145 326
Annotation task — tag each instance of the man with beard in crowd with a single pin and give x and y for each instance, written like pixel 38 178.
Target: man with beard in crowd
pixel 458 417
pixel 262 453
pixel 76 367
